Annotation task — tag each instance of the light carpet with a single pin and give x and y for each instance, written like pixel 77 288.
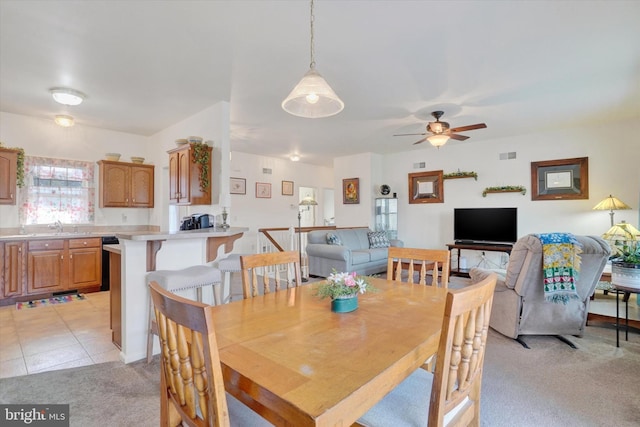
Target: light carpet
pixel 549 385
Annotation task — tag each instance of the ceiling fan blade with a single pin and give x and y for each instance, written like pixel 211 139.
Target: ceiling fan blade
pixel 420 142
pixel 408 134
pixel 458 137
pixel 469 127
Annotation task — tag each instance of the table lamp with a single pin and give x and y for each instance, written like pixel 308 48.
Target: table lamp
pixel 610 204
pixel 225 202
pixel 307 201
pixel 623 239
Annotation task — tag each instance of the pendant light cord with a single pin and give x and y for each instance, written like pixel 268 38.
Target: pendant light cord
pixel 313 61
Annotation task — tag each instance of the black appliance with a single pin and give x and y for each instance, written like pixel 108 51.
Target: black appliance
pixel 197 221
pixel 106 240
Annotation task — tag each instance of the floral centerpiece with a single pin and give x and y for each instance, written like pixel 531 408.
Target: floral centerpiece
pixel 343 289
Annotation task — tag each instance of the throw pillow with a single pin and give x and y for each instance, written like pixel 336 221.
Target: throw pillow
pixel 333 239
pixel 378 239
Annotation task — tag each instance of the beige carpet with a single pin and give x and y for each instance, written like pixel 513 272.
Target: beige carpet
pixel 549 385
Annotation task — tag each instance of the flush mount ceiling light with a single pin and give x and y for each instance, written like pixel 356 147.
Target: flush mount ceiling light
pixel 64 121
pixel 312 97
pixel 294 158
pixel 67 96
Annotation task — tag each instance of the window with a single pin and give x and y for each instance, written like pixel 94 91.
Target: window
pixel 57 190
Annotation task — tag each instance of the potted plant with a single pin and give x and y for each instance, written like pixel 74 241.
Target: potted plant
pixel 343 289
pixel 624 240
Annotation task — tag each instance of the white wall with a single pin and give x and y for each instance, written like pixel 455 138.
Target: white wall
pixel 43 138
pixel 367 168
pixel 613 169
pixel 279 210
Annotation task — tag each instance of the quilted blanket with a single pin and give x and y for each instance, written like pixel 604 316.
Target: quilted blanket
pixel 560 265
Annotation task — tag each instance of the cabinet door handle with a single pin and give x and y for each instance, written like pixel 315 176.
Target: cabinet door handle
pixel 61 257
pixel 46 245
pixel 19 249
pixel 71 256
pixel 84 243
pixel 133 200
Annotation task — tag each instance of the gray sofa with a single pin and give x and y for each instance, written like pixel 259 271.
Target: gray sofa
pixel 519 305
pixel 352 254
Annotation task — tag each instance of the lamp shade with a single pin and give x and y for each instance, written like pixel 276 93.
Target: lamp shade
pixel 611 203
pixel 622 238
pixel 438 140
pixel 308 201
pixel 312 98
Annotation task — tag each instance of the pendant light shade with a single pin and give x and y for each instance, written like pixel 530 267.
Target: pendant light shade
pixel 312 97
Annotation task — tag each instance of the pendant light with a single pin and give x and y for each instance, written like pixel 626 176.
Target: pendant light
pixel 312 97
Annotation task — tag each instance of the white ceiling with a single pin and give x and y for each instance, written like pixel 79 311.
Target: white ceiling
pixel 518 66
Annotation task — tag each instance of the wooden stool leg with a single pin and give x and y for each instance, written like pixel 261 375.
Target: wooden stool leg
pixel 151 331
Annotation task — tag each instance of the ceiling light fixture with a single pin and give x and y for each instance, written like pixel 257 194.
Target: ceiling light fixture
pixel 67 96
pixel 294 158
pixel 64 121
pixel 438 140
pixel 312 97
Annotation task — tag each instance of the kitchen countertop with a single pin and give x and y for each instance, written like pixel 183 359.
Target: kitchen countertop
pixel 177 235
pixel 115 248
pixel 49 236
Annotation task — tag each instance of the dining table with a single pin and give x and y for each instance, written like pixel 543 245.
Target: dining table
pixel 291 359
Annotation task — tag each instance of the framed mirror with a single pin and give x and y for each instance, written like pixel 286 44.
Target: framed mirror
pixel 426 187
pixel 564 179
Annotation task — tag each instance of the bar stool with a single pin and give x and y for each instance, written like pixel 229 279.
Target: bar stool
pixel 228 265
pixel 195 277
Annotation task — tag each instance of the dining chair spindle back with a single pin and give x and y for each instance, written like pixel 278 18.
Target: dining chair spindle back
pixel 283 267
pixel 451 395
pixel 405 263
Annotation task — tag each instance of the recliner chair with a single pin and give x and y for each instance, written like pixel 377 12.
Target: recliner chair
pixel 519 305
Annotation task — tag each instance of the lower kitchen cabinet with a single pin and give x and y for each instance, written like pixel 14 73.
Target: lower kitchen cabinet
pixel 39 268
pixel 13 268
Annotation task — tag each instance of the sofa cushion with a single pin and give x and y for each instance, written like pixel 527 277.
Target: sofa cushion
pixel 378 239
pixel 333 239
pixel 379 254
pixel 360 257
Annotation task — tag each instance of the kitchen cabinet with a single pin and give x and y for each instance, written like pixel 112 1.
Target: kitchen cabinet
pixel 59 265
pixel 13 268
pixel 46 266
pixel 185 181
pixel 8 168
pixel 125 185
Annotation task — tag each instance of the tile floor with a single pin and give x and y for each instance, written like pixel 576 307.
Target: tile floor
pixel 55 337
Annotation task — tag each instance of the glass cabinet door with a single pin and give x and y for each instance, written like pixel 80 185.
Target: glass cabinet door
pixel 387 216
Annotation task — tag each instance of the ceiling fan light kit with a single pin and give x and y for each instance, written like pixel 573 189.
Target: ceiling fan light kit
pixel 312 97
pixel 66 96
pixel 438 133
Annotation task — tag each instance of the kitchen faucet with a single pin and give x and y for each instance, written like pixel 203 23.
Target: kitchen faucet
pixel 57 225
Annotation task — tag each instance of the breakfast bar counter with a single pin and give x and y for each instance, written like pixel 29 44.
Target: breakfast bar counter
pixel 144 251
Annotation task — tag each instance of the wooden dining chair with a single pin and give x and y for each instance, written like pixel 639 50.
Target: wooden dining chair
pixel 406 262
pixel 282 267
pixel 191 384
pixel 451 395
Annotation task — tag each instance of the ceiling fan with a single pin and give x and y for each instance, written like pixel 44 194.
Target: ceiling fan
pixel 439 132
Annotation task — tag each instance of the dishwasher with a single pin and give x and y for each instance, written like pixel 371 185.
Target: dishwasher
pixel 106 240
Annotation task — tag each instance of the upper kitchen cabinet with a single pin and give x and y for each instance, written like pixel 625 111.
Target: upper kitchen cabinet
pixel 190 175
pixel 125 185
pixel 8 168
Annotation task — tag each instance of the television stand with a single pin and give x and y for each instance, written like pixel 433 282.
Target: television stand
pixel 488 247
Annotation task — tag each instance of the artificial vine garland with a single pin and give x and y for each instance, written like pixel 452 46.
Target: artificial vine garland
pixel 201 157
pixel 461 174
pixel 20 168
pixel 505 189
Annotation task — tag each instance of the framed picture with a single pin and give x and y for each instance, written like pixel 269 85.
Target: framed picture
pixel 351 191
pixel 238 186
pixel 263 190
pixel 426 187
pixel 564 179
pixel 287 188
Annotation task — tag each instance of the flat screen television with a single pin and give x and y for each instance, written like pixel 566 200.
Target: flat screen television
pixel 485 225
